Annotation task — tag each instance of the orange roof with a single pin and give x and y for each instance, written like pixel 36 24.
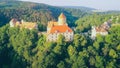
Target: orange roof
pixel 103 30
pixel 60 29
pixel 100 29
pixel 62 15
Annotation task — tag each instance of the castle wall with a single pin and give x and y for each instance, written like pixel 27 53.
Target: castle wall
pixel 53 37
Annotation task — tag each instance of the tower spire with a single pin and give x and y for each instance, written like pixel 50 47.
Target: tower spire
pixel 62 19
pixel 62 15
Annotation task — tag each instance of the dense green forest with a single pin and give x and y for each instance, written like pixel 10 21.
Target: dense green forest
pixel 85 23
pixel 84 9
pixel 35 12
pixel 24 48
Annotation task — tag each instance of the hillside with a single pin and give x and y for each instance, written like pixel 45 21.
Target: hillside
pixel 36 12
pixel 87 9
pixel 24 48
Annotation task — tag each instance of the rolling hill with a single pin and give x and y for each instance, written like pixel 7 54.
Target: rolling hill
pixel 87 9
pixel 36 12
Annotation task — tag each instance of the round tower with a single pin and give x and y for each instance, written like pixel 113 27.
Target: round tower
pixel 61 19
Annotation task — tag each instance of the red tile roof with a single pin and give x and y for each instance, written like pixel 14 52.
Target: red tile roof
pixel 60 29
pixel 100 29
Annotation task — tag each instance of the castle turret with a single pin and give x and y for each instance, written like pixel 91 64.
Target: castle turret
pixel 93 32
pixel 22 21
pixel 13 22
pixel 48 27
pixel 62 19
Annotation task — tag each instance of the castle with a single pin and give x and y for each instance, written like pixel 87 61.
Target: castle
pixel 59 27
pixel 102 30
pixel 22 24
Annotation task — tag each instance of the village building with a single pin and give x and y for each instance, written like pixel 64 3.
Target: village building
pixel 54 29
pixel 23 24
pixel 102 30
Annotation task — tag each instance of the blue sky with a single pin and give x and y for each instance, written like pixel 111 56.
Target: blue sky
pixel 98 4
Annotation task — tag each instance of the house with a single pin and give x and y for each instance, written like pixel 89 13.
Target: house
pixel 102 30
pixel 22 24
pixel 54 29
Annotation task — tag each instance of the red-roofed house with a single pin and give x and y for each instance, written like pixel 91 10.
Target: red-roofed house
pixel 102 30
pixel 60 27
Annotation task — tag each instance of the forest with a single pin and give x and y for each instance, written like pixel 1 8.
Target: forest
pixel 24 48
pixel 85 23
pixel 35 12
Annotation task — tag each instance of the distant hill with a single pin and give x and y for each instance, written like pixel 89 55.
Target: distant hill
pixel 36 12
pixel 92 10
pixel 87 9
pixel 107 11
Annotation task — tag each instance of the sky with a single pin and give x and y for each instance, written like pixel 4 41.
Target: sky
pixel 97 4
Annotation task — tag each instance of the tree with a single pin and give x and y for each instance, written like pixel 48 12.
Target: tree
pixel 23 43
pixel 113 53
pixel 71 50
pixel 79 41
pixel 92 61
pixel 118 47
pixel 61 65
pixel 99 62
pixel 111 64
pixel 58 49
pixel 96 45
pixel 80 62
pixel 4 46
pixel 61 40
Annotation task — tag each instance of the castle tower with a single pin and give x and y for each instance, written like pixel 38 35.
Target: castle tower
pixel 50 25
pixel 13 22
pixel 22 21
pixel 93 32
pixel 62 19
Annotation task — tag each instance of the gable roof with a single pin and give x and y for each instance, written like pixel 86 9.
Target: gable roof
pixel 60 29
pixel 100 29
